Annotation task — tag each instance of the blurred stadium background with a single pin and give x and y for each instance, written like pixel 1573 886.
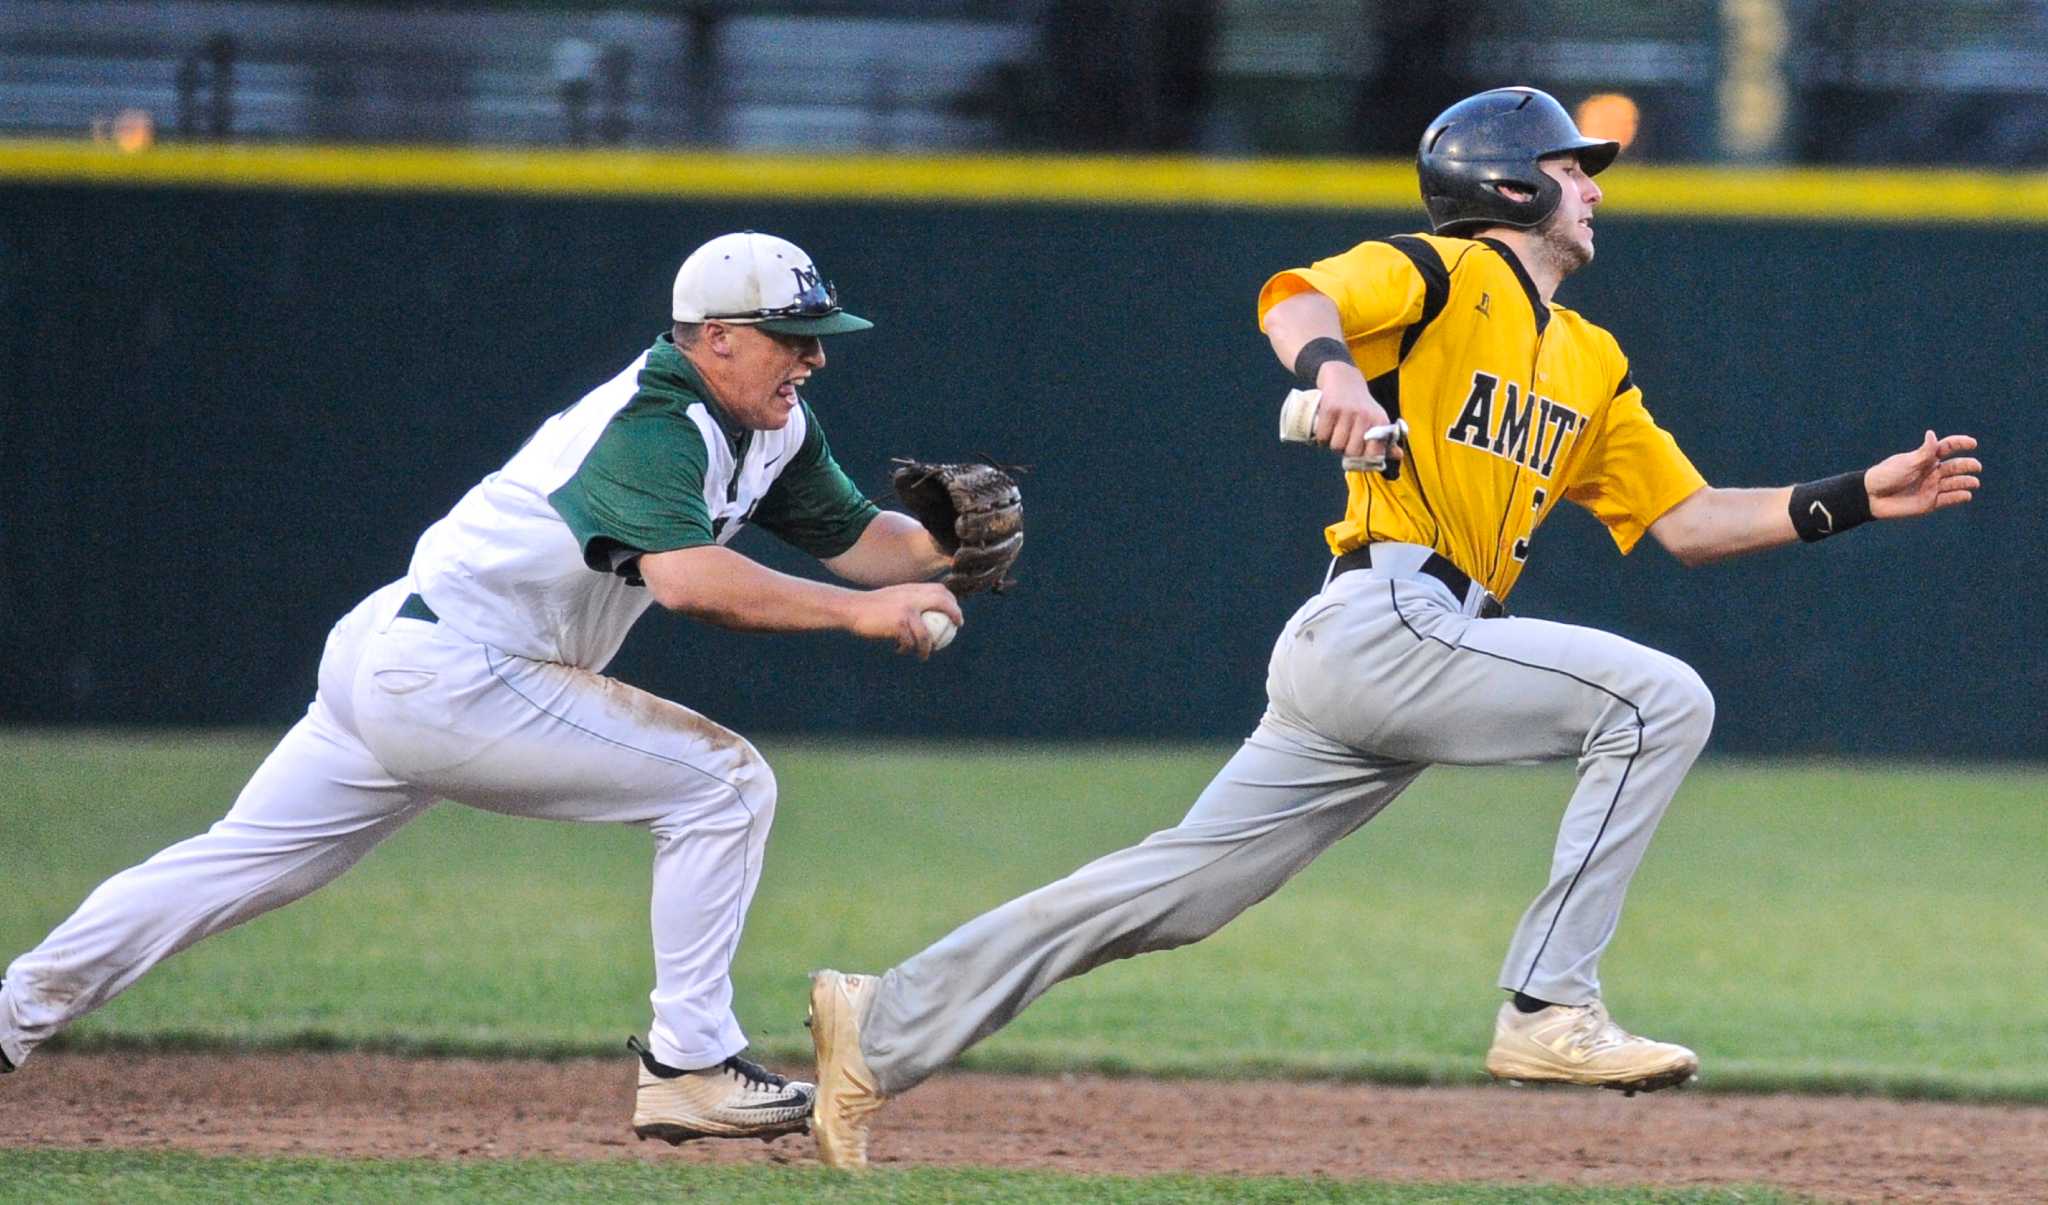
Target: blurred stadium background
pixel 1797 81
pixel 283 279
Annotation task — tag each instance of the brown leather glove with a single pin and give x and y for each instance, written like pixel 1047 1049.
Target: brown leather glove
pixel 974 511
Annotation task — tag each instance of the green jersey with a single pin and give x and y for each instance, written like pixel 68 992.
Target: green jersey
pixel 541 557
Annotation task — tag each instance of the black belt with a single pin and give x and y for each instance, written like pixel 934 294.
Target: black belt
pixel 415 607
pixel 1437 566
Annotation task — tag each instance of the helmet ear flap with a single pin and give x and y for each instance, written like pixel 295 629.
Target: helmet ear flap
pixel 1494 206
pixel 1542 195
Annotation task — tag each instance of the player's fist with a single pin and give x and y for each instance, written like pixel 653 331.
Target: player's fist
pixel 1348 413
pixel 897 613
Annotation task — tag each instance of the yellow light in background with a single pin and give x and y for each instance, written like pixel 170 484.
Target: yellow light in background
pixel 1611 116
pixel 134 130
pixel 130 130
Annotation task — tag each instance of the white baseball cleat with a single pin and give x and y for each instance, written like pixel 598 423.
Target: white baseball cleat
pixel 735 1099
pixel 847 1095
pixel 1581 1044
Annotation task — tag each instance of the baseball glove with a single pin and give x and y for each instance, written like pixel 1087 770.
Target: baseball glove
pixel 974 511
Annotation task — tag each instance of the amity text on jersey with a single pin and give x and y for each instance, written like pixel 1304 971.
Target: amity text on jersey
pixel 1528 431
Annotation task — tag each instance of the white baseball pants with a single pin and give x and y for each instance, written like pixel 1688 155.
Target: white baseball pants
pixel 1377 677
pixel 409 712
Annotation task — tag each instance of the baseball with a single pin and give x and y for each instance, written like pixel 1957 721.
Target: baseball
pixel 941 627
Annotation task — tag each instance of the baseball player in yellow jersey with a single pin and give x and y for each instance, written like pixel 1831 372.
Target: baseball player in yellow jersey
pixel 1406 658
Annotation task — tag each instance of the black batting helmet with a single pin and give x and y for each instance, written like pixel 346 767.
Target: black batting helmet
pixel 1496 138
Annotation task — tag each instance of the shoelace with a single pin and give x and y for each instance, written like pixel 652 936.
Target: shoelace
pixel 752 1074
pixel 755 1075
pixel 1596 1032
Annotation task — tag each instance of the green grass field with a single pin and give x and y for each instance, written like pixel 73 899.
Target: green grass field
pixel 73 1176
pixel 1800 925
pixel 1817 926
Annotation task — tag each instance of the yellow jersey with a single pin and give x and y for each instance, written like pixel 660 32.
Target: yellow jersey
pixel 1511 404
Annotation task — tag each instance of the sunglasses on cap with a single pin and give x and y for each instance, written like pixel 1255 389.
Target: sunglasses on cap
pixel 816 299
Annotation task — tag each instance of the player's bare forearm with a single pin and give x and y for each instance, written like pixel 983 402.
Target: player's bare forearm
pixel 1347 409
pixel 719 586
pixel 1715 524
pixel 894 548
pixel 722 587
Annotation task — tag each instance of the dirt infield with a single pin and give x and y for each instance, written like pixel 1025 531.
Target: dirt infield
pixel 372 1106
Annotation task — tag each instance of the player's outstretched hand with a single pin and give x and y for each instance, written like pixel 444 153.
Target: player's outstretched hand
pixel 1929 478
pixel 897 613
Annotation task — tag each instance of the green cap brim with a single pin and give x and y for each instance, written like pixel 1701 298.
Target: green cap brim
pixel 841 323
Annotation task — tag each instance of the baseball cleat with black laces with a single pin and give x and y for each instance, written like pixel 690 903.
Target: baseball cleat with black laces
pixel 735 1099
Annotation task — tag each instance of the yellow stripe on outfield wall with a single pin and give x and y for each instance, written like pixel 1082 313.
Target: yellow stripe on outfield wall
pixel 1678 192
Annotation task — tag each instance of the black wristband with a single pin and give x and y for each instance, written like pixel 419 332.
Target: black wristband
pixel 1830 506
pixel 1316 353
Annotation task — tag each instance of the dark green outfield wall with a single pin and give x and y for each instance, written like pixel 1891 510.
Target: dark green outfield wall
pixel 227 415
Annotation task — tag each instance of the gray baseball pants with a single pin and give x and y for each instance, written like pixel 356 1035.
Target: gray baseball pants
pixel 1380 675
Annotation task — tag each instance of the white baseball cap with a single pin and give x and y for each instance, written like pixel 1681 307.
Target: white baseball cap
pixel 753 279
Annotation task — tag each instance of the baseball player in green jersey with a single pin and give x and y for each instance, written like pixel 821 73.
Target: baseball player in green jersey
pixel 477 678
pixel 1406 657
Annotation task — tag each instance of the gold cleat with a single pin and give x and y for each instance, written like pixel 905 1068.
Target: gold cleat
pixel 847 1095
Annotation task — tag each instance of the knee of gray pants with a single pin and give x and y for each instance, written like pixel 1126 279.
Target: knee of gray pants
pixel 1680 709
pixel 1189 920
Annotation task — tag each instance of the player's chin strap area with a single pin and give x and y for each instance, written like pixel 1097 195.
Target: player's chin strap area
pixel 1410 560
